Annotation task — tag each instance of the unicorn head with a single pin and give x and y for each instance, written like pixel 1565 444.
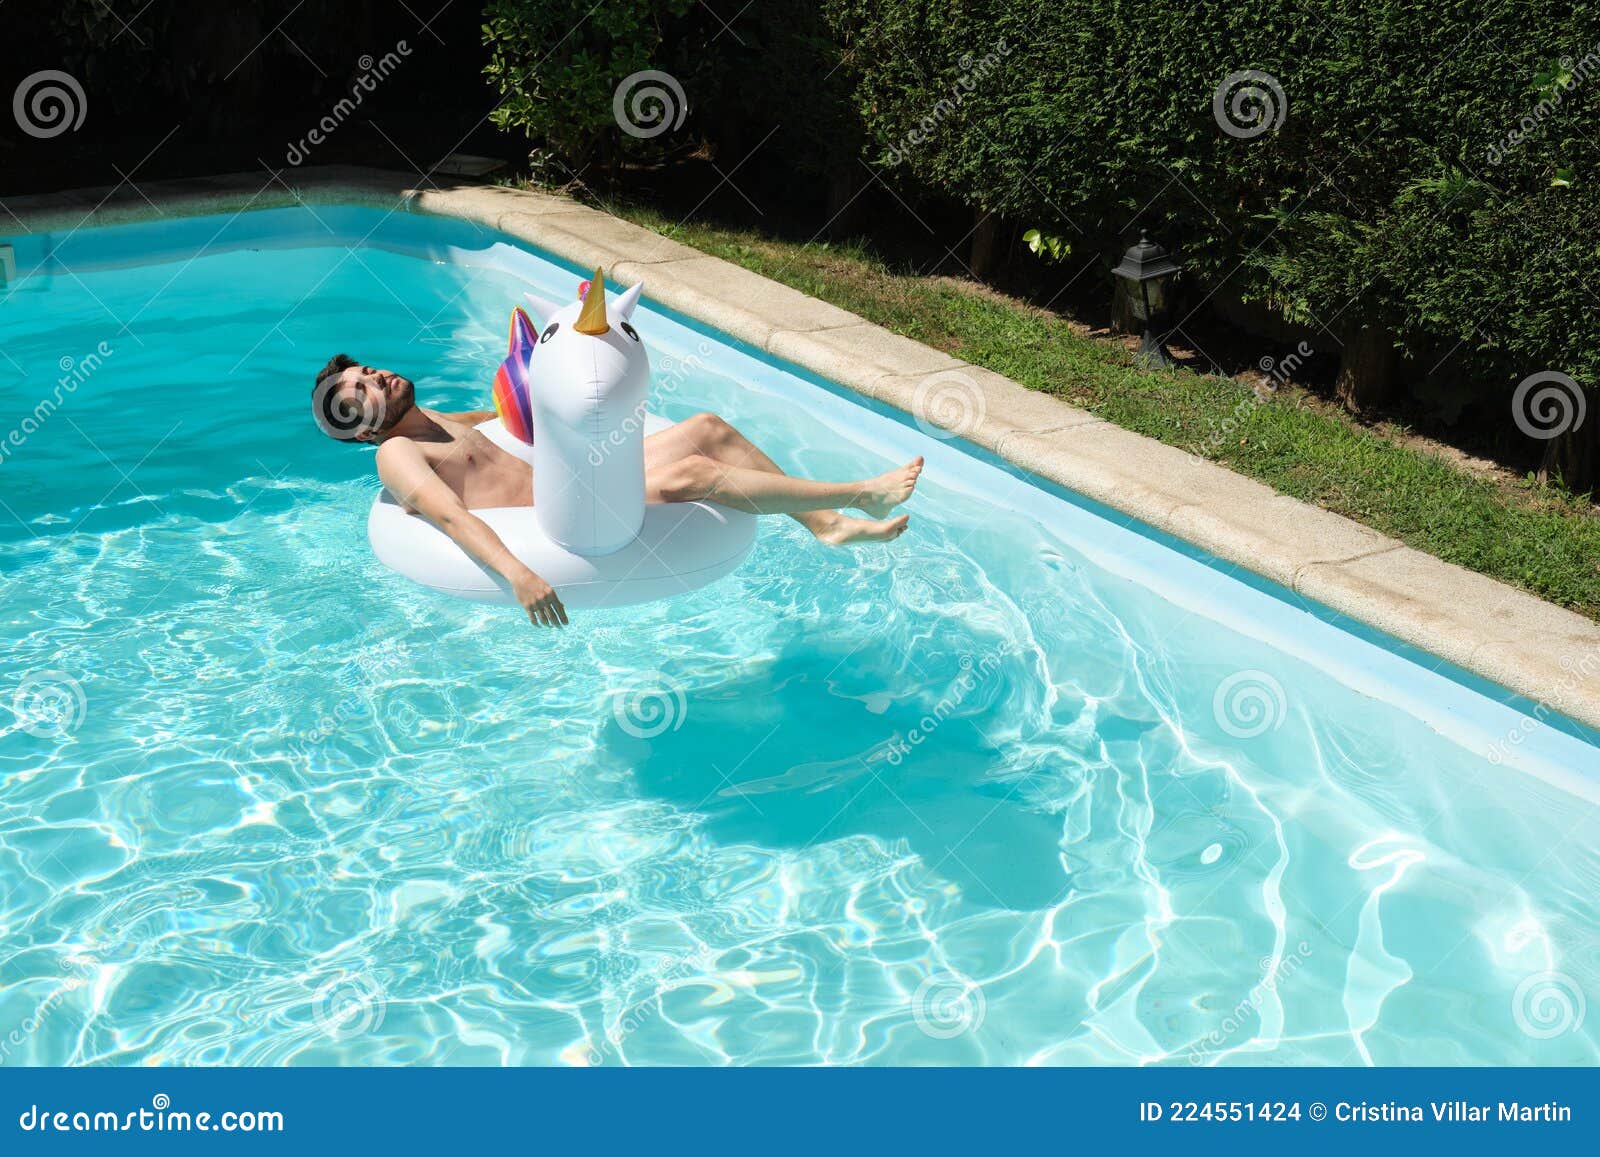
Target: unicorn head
pixel 589 377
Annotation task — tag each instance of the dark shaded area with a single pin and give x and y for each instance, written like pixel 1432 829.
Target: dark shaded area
pixel 793 757
pixel 188 87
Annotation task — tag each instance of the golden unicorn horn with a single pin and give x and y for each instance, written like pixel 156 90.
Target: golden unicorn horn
pixel 592 320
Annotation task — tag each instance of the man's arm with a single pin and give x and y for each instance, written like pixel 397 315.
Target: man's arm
pixel 407 475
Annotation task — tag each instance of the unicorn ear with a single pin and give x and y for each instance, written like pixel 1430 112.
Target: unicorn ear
pixel 543 309
pixel 630 298
pixel 523 330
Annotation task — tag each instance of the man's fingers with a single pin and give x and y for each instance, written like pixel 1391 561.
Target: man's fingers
pixel 547 611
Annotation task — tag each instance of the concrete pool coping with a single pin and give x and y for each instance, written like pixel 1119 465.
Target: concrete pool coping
pixel 1533 648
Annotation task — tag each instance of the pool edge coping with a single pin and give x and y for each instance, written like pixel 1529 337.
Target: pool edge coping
pixel 1533 648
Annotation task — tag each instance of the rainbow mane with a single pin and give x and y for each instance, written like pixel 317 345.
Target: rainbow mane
pixel 511 387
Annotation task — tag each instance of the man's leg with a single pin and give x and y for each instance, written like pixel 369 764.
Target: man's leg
pixel 672 476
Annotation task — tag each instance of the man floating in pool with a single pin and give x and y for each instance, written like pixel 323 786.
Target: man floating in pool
pixel 442 467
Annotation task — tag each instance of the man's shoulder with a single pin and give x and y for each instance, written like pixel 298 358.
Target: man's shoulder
pixel 396 444
pixel 400 449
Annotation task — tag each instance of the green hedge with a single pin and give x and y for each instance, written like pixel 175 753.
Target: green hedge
pixel 559 65
pixel 1433 180
pixel 1392 195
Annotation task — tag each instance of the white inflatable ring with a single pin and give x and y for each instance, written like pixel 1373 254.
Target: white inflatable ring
pixel 681 546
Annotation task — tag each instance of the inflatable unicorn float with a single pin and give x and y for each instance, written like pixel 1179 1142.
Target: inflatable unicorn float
pixel 570 399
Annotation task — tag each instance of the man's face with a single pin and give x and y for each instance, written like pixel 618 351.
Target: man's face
pixel 362 403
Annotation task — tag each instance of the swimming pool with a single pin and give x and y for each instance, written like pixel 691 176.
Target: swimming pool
pixel 1035 785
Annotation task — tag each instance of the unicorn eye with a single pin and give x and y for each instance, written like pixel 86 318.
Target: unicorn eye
pixel 550 331
pixel 630 331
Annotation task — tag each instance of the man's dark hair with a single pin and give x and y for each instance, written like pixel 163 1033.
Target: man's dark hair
pixel 323 400
pixel 337 364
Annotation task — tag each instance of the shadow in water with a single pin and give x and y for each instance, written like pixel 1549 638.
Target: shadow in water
pixel 816 747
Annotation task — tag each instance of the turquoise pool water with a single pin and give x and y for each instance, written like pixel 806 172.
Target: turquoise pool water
pixel 1032 786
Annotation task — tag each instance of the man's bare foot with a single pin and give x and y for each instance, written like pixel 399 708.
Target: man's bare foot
pixel 883 493
pixel 844 530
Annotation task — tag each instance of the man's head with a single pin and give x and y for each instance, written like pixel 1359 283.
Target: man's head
pixel 356 403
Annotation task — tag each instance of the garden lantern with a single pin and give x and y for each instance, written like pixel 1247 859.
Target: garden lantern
pixel 1148 270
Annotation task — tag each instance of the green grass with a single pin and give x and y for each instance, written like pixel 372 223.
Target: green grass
pixel 1536 538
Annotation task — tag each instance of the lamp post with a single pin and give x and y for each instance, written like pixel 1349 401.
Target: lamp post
pixel 1148 269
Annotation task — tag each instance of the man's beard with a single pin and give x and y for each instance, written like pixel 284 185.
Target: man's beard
pixel 397 408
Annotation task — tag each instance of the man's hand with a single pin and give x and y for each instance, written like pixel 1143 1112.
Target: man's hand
pixel 539 599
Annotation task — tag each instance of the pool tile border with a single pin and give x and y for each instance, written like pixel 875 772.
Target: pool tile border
pixel 1540 651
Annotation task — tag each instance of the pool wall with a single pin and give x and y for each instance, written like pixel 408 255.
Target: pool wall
pixel 1387 619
